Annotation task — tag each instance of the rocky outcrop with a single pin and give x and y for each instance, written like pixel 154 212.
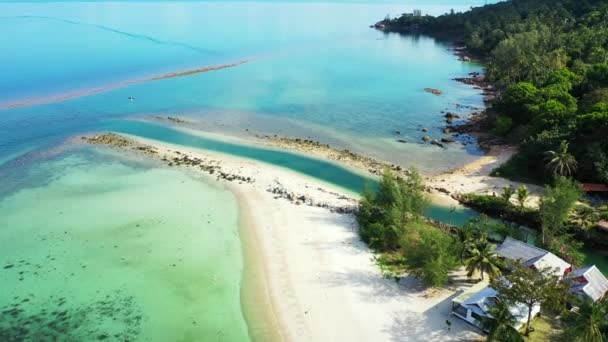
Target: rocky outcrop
pixel 173 119
pixel 433 91
pixel 348 157
pixel 437 143
pixel 109 139
pixel 179 159
pixel 299 199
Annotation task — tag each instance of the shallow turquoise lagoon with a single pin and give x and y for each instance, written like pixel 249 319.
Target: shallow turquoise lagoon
pixel 320 169
pixel 315 70
pixel 102 248
pixel 97 246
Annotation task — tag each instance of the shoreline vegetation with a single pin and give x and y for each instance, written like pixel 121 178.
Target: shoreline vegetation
pixel 92 91
pixel 546 66
pixel 547 62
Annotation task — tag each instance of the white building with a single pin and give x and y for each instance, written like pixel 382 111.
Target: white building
pixel 588 281
pixel 532 256
pixel 479 299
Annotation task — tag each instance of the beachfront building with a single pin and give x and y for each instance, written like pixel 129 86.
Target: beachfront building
pixel 588 281
pixel 595 188
pixel 475 303
pixel 531 256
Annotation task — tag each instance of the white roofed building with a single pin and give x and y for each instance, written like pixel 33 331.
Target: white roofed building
pixel 588 281
pixel 474 304
pixel 532 256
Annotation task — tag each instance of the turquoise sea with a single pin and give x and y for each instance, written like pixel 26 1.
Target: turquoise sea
pixel 101 246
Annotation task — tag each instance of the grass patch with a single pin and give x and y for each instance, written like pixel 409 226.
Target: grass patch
pixel 546 328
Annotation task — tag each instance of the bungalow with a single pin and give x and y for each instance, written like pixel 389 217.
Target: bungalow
pixel 532 256
pixel 475 303
pixel 595 187
pixel 588 281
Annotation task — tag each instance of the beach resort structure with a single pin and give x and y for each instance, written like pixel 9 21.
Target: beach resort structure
pixel 595 187
pixel 588 281
pixel 475 303
pixel 531 256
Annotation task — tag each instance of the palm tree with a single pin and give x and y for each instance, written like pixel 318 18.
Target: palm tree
pixel 561 162
pixel 499 324
pixel 522 195
pixel 586 322
pixel 464 235
pixel 584 217
pixel 507 193
pixel 482 258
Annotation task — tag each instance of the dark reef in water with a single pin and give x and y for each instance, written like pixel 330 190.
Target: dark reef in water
pixel 115 317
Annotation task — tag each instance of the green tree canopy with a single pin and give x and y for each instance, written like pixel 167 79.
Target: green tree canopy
pixel 528 286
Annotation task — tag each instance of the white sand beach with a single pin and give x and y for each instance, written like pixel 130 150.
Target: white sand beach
pixel 321 281
pixel 475 178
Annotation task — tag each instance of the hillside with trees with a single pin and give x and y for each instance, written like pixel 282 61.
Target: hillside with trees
pixel 548 60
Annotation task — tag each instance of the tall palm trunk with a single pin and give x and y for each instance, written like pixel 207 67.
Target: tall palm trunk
pixel 543 234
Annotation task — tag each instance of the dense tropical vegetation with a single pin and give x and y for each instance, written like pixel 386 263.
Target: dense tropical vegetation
pixel 391 222
pixel 530 287
pixel 500 324
pixel 560 220
pixel 549 62
pixel 587 323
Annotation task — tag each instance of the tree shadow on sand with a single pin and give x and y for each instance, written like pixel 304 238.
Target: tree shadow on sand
pixel 431 325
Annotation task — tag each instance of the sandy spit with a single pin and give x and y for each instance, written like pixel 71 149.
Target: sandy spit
pixel 314 280
pixel 92 91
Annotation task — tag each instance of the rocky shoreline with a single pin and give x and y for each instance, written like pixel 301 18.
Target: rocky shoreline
pixel 213 167
pixel 371 165
pixel 476 124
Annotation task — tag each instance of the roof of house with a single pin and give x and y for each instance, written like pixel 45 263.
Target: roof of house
pixel 549 260
pixel 531 256
pixel 517 250
pixel 595 187
pixel 470 292
pixel 596 283
pixel 603 225
pixel 482 301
